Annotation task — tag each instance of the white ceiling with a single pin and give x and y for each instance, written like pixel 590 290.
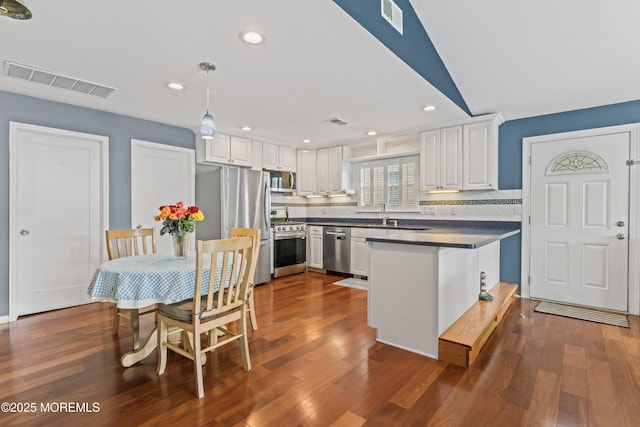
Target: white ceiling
pixel 529 58
pixel 317 63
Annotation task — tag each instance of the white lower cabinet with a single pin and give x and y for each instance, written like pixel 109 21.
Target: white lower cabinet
pixel 359 256
pixel 306 175
pixel 360 253
pixel 314 251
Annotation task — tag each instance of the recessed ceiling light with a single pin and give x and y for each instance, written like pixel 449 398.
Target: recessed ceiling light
pixel 429 107
pixel 306 141
pixel 251 37
pixel 372 133
pixel 175 85
pixel 246 128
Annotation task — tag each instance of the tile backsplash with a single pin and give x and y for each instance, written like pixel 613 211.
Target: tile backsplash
pixel 503 205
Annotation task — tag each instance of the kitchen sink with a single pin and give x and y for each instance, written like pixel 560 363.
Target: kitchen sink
pixel 399 227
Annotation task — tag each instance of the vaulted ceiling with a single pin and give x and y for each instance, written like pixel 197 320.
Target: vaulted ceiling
pixel 319 63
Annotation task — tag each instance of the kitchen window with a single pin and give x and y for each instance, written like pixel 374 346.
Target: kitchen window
pixel 393 182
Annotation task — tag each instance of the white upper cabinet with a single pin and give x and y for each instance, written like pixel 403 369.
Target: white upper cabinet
pixel 441 159
pixel 225 149
pixel 461 157
pixel 256 163
pixel 306 175
pixel 329 172
pixel 480 156
pixel 270 156
pixel 287 156
pixel 278 157
pixel 240 150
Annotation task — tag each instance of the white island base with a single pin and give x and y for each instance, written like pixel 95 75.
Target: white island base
pixel 417 291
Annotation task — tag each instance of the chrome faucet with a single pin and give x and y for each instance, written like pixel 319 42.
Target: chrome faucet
pixel 385 217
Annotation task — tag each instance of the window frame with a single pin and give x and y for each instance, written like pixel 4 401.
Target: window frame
pixel 377 196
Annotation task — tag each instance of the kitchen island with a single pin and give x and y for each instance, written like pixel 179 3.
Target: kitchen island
pixel 422 282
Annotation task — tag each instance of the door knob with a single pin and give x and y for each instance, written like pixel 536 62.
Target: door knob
pixel 620 236
pixel 24 232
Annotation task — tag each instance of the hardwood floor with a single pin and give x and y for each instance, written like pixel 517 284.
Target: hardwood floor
pixel 316 363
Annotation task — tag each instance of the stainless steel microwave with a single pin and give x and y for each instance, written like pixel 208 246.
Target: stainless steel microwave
pixel 283 182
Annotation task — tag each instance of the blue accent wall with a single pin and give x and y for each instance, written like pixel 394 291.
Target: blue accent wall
pixel 511 134
pixel 414 47
pixel 119 129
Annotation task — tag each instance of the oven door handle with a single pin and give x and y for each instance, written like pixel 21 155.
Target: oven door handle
pixel 290 237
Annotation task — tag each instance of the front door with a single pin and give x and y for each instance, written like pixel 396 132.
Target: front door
pixel 579 220
pixel 58 216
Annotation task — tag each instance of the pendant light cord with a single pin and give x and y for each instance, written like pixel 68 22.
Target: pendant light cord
pixel 207 91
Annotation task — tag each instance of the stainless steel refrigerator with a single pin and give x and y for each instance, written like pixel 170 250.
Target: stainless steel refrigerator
pixel 236 197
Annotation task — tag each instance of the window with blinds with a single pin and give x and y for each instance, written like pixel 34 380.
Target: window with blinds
pixel 389 181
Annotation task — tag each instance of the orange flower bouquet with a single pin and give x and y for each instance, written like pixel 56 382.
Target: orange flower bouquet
pixel 179 220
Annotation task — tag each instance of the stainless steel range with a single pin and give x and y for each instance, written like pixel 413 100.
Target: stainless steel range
pixel 289 247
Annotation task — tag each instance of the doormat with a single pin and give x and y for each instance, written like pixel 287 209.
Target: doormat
pixel 351 282
pixel 581 313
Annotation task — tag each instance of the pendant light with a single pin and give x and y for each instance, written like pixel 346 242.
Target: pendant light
pixel 207 125
pixel 14 9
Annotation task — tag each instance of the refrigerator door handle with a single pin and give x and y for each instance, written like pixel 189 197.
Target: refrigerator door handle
pixel 266 209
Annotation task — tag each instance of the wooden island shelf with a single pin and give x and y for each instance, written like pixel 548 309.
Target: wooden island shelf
pixel 461 343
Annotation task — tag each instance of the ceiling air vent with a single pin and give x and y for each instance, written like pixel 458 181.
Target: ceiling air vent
pixel 392 13
pixel 337 121
pixel 49 78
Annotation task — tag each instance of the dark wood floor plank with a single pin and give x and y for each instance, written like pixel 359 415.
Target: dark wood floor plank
pixel 316 363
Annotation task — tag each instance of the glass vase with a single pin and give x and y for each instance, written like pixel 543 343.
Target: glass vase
pixel 180 245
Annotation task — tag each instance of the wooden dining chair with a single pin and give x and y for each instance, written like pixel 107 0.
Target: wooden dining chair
pixel 210 312
pixel 124 243
pixel 254 233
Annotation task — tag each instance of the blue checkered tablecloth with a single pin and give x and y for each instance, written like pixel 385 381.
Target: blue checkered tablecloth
pixel 140 281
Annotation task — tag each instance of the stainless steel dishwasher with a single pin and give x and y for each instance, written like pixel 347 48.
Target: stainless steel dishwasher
pixel 336 249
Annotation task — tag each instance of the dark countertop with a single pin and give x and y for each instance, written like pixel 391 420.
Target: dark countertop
pixel 451 238
pixel 370 225
pixel 452 234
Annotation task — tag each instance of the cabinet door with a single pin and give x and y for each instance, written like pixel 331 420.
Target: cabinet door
pixel 287 158
pixel 306 175
pixel 240 151
pixel 430 160
pixel 451 158
pixel 270 156
pixel 256 153
pixel 322 171
pixel 315 247
pixel 359 256
pixel 217 149
pixel 480 156
pixel 335 170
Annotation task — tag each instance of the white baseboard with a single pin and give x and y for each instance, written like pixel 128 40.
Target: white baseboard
pixel 4 319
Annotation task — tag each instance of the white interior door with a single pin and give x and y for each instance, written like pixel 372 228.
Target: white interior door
pixel 58 214
pixel 579 220
pixel 160 175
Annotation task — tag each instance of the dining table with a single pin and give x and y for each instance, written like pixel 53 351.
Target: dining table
pixel 140 281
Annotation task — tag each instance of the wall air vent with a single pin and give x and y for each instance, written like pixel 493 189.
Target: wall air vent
pixel 392 13
pixel 337 121
pixel 49 78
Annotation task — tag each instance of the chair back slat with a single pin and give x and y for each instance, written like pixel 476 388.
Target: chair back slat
pixel 130 242
pixel 232 257
pixel 254 233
